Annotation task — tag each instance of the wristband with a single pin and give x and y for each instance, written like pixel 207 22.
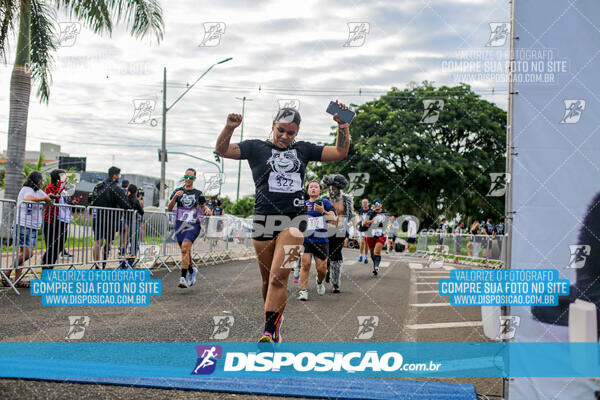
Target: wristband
pixel 344 125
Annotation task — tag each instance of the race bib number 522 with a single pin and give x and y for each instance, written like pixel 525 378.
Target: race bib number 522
pixel 285 182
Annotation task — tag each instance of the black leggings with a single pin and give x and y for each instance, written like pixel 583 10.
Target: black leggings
pixel 55 234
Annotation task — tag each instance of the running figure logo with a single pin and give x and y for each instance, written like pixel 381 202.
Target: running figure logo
pixel 223 324
pixel 207 359
pixel 499 32
pixel 213 182
pixel 579 254
pixel 291 253
pixel 431 111
pixel 77 325
pixel 142 112
pixel 573 111
pixel 184 227
pixel 357 182
pixel 289 103
pixel 357 34
pixel 68 33
pixel 212 34
pixel 366 327
pixel 508 326
pixel 498 184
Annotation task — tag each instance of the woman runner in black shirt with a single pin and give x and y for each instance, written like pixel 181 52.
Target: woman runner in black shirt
pixel 278 167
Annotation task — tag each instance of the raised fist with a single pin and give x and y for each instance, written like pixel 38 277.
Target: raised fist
pixel 234 120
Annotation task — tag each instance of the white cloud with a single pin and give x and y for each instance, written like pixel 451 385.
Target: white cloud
pixel 287 45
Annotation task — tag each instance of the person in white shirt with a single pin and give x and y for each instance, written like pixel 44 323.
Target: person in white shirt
pixel 412 235
pixel 28 221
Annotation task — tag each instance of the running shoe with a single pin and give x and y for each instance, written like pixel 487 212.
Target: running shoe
pixel 366 260
pixel 360 258
pixel 303 295
pixel 320 288
pixel 65 254
pixel 183 283
pixel 192 276
pixel 375 271
pixel 266 338
pixel 336 289
pixel 296 273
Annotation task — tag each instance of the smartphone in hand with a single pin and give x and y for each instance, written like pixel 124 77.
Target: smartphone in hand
pixel 344 115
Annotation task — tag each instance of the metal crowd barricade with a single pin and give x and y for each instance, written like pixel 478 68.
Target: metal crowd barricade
pixel 153 233
pixel 8 256
pixel 112 240
pixel 463 247
pixel 41 236
pixel 73 236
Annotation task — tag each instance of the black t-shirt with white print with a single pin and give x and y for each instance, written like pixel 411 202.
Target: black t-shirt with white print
pixel 279 174
pixel 188 205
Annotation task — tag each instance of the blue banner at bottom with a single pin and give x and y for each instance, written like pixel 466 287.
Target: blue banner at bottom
pixel 248 360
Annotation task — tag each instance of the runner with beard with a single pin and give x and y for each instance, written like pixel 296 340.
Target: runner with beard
pixel 278 168
pixel 376 222
pixel 343 204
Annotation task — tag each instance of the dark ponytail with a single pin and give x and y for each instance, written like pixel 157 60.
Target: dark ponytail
pixel 34 180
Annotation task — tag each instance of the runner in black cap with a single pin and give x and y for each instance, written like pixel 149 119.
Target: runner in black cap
pixel 278 167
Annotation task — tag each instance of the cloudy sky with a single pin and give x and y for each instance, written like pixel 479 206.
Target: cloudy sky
pixel 288 50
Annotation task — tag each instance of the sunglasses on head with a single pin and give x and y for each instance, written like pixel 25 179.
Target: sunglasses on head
pixel 189 177
pixel 281 130
pixel 377 203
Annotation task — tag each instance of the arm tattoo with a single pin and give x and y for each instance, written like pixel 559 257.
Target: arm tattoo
pixel 341 139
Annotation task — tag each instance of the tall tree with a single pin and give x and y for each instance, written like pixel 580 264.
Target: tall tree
pixel 426 168
pixel 37 40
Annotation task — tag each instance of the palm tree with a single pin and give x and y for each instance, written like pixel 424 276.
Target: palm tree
pixel 37 40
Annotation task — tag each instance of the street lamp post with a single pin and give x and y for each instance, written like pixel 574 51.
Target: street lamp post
pixel 163 151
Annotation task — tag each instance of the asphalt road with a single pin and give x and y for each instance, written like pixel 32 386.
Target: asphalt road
pixel 398 299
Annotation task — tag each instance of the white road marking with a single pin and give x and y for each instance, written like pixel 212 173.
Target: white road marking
pixel 415 266
pixel 384 264
pixel 443 325
pixel 433 277
pixel 426 291
pixel 428 283
pixel 431 305
pixel 434 271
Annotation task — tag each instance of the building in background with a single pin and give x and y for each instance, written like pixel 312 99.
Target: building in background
pixel 150 184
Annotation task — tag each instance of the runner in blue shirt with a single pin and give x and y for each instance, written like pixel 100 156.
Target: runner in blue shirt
pixel 316 243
